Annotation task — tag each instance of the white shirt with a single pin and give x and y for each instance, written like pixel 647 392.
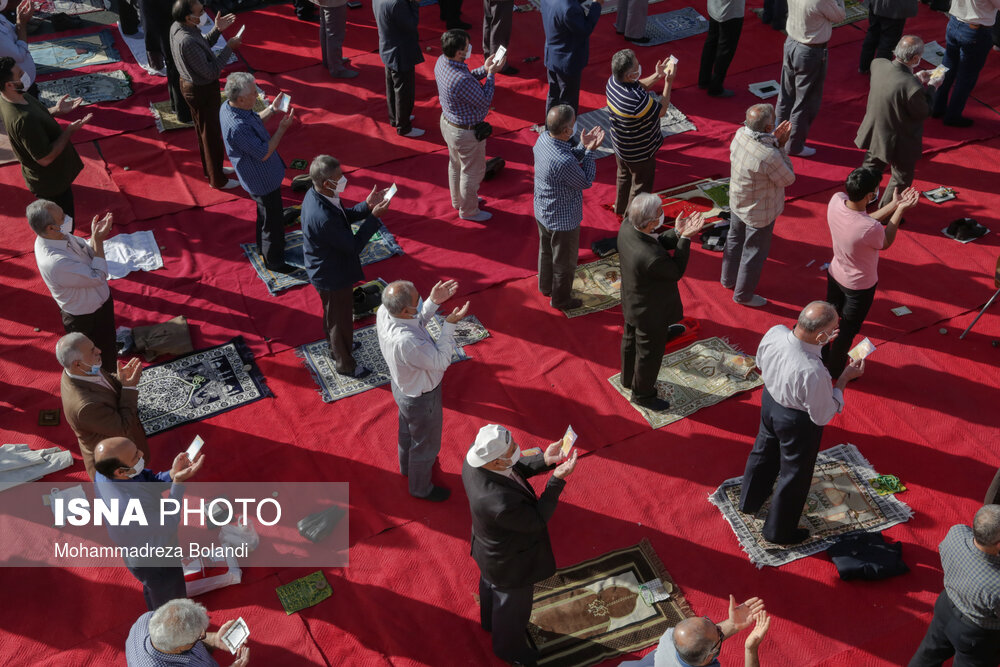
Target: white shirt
pixel 77 278
pixel 794 375
pixel 725 10
pixel 811 21
pixel 976 12
pixel 416 361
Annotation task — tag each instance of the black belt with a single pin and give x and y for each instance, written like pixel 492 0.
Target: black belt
pixel 461 127
pixel 815 46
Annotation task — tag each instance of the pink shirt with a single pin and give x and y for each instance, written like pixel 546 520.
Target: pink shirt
pixel 857 238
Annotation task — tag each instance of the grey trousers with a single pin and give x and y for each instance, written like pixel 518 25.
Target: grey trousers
pixel 803 71
pixel 504 612
pixel 557 255
pixel 744 257
pixel 901 175
pixel 498 19
pixel 631 18
pixel 419 437
pixel 332 25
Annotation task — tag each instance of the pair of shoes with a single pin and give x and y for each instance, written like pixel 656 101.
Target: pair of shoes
pixel 807 151
pixel 355 346
pixel 284 267
pixel 229 171
pixel 230 184
pixel 345 74
pixel 458 25
pixel 493 167
pixel 509 70
pixel 572 304
pixel 639 40
pixel 438 494
pixel 961 121
pixel 413 133
pixel 482 216
pixel 756 301
pixel 358 373
pixel 797 536
pixel 676 331
pixel 651 403
pixel 725 92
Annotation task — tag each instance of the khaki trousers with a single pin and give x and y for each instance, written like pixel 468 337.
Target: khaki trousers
pixel 466 166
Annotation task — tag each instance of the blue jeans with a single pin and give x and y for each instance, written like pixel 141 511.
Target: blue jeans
pixel 966 49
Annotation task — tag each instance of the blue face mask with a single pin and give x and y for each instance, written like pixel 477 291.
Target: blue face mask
pixel 420 306
pixel 94 370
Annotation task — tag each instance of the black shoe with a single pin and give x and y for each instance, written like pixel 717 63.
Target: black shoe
pixel 797 536
pixel 284 267
pixel 652 403
pixel 355 345
pixel 725 92
pixel 639 40
pixel 493 167
pixel 438 494
pixel 572 304
pixel 509 70
pixel 358 372
pixel 961 121
pixel 675 331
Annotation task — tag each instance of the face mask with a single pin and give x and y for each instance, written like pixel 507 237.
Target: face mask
pixel 341 185
pixel 67 225
pixel 138 467
pixel 420 306
pixel 658 229
pixel 25 82
pixel 638 74
pixel 875 198
pixel 468 51
pixel 94 370
pixel 514 458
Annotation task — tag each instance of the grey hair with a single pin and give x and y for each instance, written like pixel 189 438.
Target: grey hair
pixel 908 47
pixel 695 644
pixel 239 84
pixel 396 296
pixel 759 116
pixel 321 168
pixel 68 349
pixel 40 215
pixel 621 63
pixel 177 623
pixel 986 525
pixel 644 207
pixel 811 323
pixel 559 118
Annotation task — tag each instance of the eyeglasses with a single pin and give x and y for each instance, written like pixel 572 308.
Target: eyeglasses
pixel 717 646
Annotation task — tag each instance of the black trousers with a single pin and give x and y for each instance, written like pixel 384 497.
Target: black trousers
pixel 160 584
pixel 270 227
pixel 785 450
pixel 128 16
pixel 338 323
pixel 852 305
pixel 775 13
pixel 718 52
pixel 504 612
pixel 65 201
pixel 642 353
pixel 451 12
pixel 99 327
pixel 400 92
pixel 881 38
pixel 563 89
pixel 952 634
pixel 633 178
pixel 498 20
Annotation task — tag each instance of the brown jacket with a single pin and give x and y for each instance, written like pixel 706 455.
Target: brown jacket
pixel 94 412
pixel 893 128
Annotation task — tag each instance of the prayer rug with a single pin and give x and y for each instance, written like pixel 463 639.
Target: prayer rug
pixel 63 53
pixel 690 198
pixel 841 500
pixel 136 43
pixel 381 246
pixel 126 253
pixel 92 88
pixel 166 119
pixel 702 374
pixel 671 26
pixel 674 122
pixel 855 12
pixel 199 385
pixel 334 386
pixel 302 593
pixel 602 608
pixel 69 7
pixel 598 284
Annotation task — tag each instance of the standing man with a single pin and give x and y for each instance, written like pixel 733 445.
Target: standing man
pixel 725 23
pixel 631 20
pixel 122 477
pixel 893 127
pixel 965 623
pixel 510 536
pixel 98 404
pixel 798 401
pixel 635 123
pixel 333 254
pixel 651 301
pixel 886 19
pixel 775 14
pixel 760 172
pixel 498 21
pixel 332 27
pixel 803 68
pixel 76 274
pixel 464 104
pixel 156 23
pixel 417 364
pixel 49 161
pixel 399 48
pixel 14 41
pixel 562 173
pixel 967 44
pixel 567 47
pixel 254 154
pixel 857 239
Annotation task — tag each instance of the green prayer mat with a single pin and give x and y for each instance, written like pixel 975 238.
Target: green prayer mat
pixel 306 592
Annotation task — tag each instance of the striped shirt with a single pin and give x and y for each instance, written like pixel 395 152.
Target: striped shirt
pixel 464 101
pixel 971 577
pixel 139 650
pixel 635 121
pixel 246 142
pixel 562 173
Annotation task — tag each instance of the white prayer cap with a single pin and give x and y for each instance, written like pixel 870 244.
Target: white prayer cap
pixel 492 441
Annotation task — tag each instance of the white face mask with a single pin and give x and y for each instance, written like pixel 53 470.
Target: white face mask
pixel 639 73
pixel 875 198
pixel 658 229
pixel 139 466
pixel 514 458
pixel 341 185
pixel 25 81
pixel 67 225
pixel 468 51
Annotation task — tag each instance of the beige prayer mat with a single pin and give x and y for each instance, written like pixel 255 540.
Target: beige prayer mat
pixel 598 284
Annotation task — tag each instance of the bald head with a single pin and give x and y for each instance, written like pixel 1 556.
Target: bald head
pixel 560 119
pixel 399 296
pixel 760 117
pixel 115 458
pixel 695 640
pixel 909 49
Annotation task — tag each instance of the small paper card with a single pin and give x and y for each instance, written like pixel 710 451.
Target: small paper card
pixel 391 193
pixel 499 55
pixel 861 350
pixel 765 89
pixel 653 591
pixel 940 194
pixel 284 103
pixel 568 440
pixel 899 311
pixel 305 592
pixel 239 33
pixel 236 635
pixel 196 445
pixel 673 59
pixel 534 451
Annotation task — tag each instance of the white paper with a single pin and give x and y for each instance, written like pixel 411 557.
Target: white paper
pixel 568 440
pixel 861 350
pixel 126 253
pixel 195 447
pixel 673 59
pixel 653 591
pixel 239 33
pixel 765 89
pixel 391 193
pixel 236 635
pixel 499 55
pixel 284 103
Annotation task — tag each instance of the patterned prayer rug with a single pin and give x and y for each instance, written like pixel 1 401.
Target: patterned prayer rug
pixel 166 118
pixel 674 122
pixel 702 374
pixel 199 385
pixel 855 12
pixel 602 608
pixel 690 198
pixel 62 53
pixel 841 500
pixel 598 284
pixel 93 88
pixel 334 386
pixel 678 24
pixel 381 246
pixel 69 7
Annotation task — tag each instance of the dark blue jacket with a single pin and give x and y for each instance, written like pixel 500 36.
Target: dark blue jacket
pixel 332 252
pixel 567 34
pixel 398 40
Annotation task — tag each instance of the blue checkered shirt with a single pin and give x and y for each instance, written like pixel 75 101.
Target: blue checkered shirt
pixel 139 650
pixel 246 142
pixel 562 173
pixel 464 101
pixel 971 577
